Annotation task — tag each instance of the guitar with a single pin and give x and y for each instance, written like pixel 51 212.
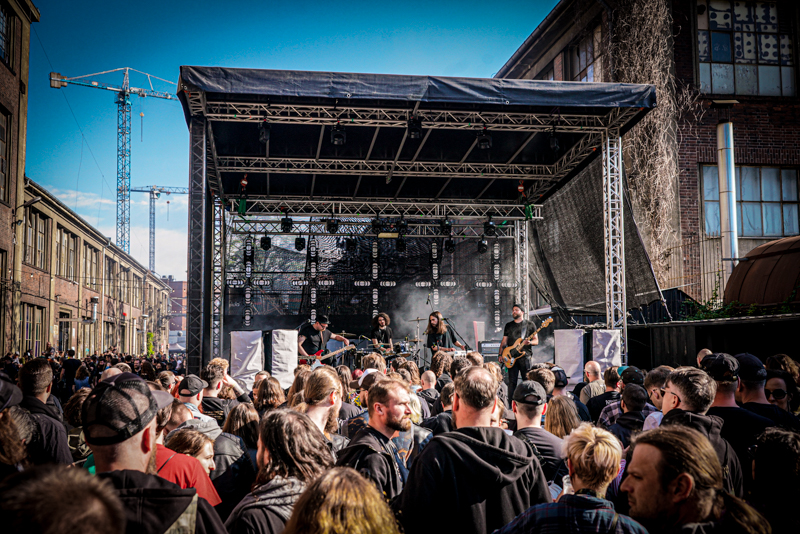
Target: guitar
pixel 517 350
pixel 319 357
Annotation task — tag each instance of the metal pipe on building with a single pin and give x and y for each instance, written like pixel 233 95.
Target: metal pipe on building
pixel 727 196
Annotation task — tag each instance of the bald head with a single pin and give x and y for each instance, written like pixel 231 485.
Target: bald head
pixel 592 370
pixel 428 380
pixel 108 373
pixel 477 388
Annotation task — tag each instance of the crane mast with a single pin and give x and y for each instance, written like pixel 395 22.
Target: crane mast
pixel 155 192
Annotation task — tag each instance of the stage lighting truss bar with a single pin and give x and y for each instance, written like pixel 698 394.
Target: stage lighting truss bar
pixel 333 167
pixel 303 207
pixel 398 118
pixel 360 229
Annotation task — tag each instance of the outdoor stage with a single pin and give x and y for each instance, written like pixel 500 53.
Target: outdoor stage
pixel 410 193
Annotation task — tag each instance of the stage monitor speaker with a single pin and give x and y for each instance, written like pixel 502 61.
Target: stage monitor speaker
pixel 569 354
pixel 247 355
pixel 607 348
pixel 490 349
pixel 282 357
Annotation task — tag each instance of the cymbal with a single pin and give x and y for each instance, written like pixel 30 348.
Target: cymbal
pixel 346 334
pixel 418 319
pixel 414 341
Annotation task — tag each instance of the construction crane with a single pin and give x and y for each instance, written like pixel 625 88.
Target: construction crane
pixel 123 101
pixel 155 192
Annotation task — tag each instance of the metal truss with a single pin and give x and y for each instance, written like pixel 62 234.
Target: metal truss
pixel 214 180
pixel 398 118
pixel 124 170
pixel 522 264
pixel 614 237
pixel 423 209
pixel 218 278
pixel 364 229
pixel 198 203
pixel 335 167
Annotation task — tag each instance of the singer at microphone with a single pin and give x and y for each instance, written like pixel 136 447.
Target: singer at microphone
pixel 381 333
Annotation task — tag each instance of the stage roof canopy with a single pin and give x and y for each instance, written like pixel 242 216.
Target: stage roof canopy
pixel 277 127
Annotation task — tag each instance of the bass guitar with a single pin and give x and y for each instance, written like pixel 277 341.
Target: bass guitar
pixel 517 350
pixel 319 357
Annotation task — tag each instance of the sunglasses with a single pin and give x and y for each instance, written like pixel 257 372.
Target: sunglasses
pixel 777 394
pixel 665 391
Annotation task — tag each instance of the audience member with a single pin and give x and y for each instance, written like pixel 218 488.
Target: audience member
pixel 442 422
pixel 611 394
pixel 675 484
pixel 594 382
pixel 751 395
pixel 299 383
pixel 291 455
pixel 213 406
pixel 480 475
pixel 776 473
pixel 195 444
pixel 562 416
pixel 440 365
pixel 780 389
pixel 13 453
pixel 72 413
pixel 190 392
pixel 653 382
pixel 270 396
pixel 243 422
pixel 593 456
pixel 322 400
pixel 632 419
pixel 348 409
pixel 428 392
pixel 610 414
pixel 529 404
pixel 50 443
pixel 561 381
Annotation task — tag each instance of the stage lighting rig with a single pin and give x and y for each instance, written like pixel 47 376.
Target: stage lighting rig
pixel 483 246
pixel 450 246
pixel 338 134
pixel 332 226
pixel 263 132
pixel 402 226
pixel 286 224
pixel 266 242
pixel 489 228
pixel 377 226
pixel 414 128
pixel 484 139
pixel 299 244
pixel 554 140
pixel 445 227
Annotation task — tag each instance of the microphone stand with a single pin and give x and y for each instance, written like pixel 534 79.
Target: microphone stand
pixel 459 336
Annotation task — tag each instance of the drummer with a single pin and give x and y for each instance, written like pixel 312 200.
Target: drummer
pixel 381 333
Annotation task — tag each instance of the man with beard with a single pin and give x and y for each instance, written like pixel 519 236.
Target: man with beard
pixel 381 334
pixel 519 328
pixel 119 424
pixel 371 452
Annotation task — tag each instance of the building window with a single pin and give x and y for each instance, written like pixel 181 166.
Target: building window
pixel 7 21
pixel 5 135
pixel 744 48
pixel 137 292
pixel 65 253
pixel 766 201
pixel 35 239
pixel 584 58
pixel 548 74
pixel 33 329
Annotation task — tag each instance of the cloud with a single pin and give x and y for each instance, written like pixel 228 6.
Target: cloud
pixel 76 200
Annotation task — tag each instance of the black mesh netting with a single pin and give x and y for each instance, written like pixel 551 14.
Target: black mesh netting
pixel 567 248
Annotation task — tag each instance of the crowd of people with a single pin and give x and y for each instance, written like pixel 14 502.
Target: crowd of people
pixel 110 443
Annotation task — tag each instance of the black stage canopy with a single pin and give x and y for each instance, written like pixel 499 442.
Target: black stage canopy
pixel 383 157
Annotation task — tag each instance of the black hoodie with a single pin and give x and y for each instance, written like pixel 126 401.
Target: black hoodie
pixel 627 424
pixel 50 443
pixel 710 426
pixel 372 454
pixel 267 508
pixel 471 480
pixel 152 504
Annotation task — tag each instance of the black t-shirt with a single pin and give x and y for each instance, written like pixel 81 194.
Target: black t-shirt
pixel 549 447
pixel 71 367
pixel 514 331
pixel 383 336
pixel 314 340
pixel 596 404
pixel 443 341
pixel 778 416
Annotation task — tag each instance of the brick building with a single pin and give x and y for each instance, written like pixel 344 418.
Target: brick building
pixel 177 324
pixel 723 50
pixel 79 290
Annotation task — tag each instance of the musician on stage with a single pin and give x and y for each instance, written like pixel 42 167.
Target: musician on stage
pixel 439 336
pixel 381 334
pixel 514 330
pixel 314 337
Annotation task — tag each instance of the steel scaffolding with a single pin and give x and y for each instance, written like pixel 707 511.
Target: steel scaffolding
pixel 614 236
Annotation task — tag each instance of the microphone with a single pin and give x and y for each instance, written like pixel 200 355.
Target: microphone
pixel 429 299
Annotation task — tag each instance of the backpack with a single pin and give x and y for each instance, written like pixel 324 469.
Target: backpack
pixel 187 521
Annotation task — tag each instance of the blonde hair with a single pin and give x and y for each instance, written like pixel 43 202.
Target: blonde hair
pixel 222 362
pixel 561 417
pixel 594 454
pixel 416 409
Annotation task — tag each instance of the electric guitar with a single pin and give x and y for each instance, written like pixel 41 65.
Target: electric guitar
pixel 319 357
pixel 517 350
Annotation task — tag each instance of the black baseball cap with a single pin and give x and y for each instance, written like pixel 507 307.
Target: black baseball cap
pixel 10 394
pixel 193 385
pixel 518 306
pixel 119 408
pixel 721 367
pixel 530 392
pixel 561 377
pixel 750 367
pixel 632 375
pixel 323 319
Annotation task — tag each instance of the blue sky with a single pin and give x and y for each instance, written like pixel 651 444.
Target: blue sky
pixel 446 38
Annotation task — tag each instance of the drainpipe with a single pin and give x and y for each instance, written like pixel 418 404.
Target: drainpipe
pixel 727 196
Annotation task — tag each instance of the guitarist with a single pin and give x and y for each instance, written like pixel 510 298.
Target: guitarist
pixel 514 330
pixel 381 334
pixel 314 337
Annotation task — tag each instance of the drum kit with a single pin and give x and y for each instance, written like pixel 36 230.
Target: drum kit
pixel 408 348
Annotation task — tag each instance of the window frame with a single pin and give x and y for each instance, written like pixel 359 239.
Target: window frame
pixel 8 38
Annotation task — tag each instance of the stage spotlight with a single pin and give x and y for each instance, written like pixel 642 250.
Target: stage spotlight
pixel 402 226
pixel 332 226
pixel 400 244
pixel 338 135
pixel 266 243
pixel 450 246
pixel 553 140
pixel 445 226
pixel 350 244
pixel 299 244
pixel 414 128
pixel 286 225
pixel 377 226
pixel 263 133
pixel 489 227
pixel 483 246
pixel 484 139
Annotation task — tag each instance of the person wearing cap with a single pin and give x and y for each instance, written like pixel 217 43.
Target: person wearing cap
pixel 518 328
pixel 529 403
pixel 119 423
pixel 612 412
pixel 190 392
pixel 740 427
pixel 12 449
pixel 688 395
pixel 751 396
pixel 314 337
pixel 559 388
